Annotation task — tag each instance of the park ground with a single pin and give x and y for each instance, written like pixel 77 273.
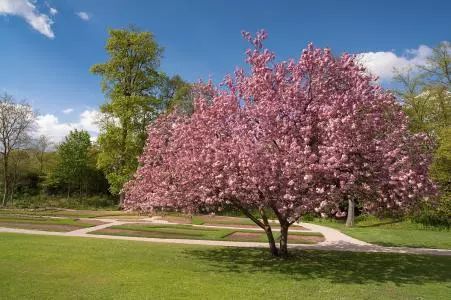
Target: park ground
pixel 63 267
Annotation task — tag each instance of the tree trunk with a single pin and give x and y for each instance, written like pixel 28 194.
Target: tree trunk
pixel 283 240
pixel 5 179
pixel 351 213
pixel 271 241
pixel 80 188
pixel 267 228
pixel 121 199
pixel 11 196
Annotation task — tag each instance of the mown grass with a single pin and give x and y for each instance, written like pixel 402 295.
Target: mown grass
pixel 10 220
pixel 200 220
pixel 390 232
pixel 74 202
pixel 49 267
pixel 57 212
pixel 197 233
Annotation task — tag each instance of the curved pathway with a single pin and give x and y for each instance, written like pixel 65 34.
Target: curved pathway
pixel 334 239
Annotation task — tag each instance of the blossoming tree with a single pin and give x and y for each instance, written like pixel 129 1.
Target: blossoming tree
pixel 288 138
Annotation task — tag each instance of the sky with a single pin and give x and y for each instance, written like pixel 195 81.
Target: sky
pixel 48 46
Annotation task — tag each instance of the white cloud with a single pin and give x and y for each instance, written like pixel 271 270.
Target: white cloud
pixel 51 126
pixel 83 15
pixel 384 63
pixel 67 111
pixel 89 119
pixel 53 11
pixel 27 10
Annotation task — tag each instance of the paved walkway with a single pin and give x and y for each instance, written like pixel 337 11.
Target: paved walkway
pixel 334 239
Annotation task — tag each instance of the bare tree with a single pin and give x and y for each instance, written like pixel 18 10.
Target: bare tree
pixel 19 162
pixel 41 145
pixel 438 65
pixel 426 91
pixel 16 121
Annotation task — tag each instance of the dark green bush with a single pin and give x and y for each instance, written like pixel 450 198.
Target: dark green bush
pixel 44 201
pixel 431 218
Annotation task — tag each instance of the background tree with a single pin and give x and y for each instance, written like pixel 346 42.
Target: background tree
pixel 286 139
pixel 16 121
pixel 130 80
pixel 24 179
pixel 438 66
pixel 426 95
pixel 426 99
pixel 97 182
pixel 441 170
pixel 73 166
pixel 176 94
pixel 41 146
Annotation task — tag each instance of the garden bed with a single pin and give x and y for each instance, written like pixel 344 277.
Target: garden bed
pixel 204 233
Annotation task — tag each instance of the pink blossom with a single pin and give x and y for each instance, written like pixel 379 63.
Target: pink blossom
pixel 292 137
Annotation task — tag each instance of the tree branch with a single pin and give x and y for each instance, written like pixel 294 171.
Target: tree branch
pixel 247 213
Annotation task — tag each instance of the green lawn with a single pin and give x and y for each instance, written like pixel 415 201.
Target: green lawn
pixel 219 220
pixel 372 230
pixel 63 212
pixel 42 223
pixel 213 220
pixel 393 233
pixel 204 233
pixel 46 267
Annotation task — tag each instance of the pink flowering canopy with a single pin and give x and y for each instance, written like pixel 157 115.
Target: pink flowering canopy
pixel 293 138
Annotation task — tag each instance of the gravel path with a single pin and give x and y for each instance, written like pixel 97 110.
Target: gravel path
pixel 334 239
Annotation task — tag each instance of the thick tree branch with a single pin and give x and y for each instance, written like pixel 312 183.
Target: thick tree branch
pixel 247 213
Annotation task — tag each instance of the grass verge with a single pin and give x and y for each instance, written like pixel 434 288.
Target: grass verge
pixel 393 233
pixel 43 223
pixel 60 212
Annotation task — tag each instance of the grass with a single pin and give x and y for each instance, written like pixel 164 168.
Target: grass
pixel 48 267
pixel 74 202
pixel 383 232
pixel 393 233
pixel 209 220
pixel 200 220
pixel 202 233
pixel 41 223
pixel 58 212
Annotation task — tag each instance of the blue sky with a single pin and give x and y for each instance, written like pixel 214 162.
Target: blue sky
pixel 48 46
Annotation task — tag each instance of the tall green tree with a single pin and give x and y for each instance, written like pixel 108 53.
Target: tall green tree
pixel 130 80
pixel 73 166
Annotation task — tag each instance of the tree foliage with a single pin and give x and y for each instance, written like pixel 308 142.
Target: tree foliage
pixel 75 169
pixel 176 94
pixel 130 80
pixel 292 138
pixel 426 98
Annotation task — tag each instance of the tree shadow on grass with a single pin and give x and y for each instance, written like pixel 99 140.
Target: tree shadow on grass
pixel 379 224
pixel 409 245
pixel 336 266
